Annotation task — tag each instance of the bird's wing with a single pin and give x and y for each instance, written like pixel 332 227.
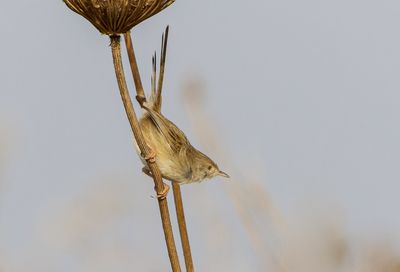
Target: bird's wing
pixel 172 134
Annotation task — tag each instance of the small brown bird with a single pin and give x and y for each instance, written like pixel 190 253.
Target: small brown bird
pixel 176 158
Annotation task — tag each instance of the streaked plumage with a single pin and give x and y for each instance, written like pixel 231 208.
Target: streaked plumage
pixel 176 158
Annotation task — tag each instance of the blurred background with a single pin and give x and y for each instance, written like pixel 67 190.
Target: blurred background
pixel 297 100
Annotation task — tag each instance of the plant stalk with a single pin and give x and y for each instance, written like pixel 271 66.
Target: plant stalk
pixel 146 152
pixel 140 95
pixel 180 214
pixel 176 187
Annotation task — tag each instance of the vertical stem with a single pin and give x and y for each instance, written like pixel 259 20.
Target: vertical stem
pixel 140 95
pixel 180 214
pixel 146 152
pixel 176 187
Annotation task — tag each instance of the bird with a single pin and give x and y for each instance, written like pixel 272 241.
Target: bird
pixel 174 155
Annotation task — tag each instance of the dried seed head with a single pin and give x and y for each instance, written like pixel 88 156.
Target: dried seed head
pixel 113 17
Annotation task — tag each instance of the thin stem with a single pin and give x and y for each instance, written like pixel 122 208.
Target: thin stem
pixel 146 152
pixel 180 214
pixel 140 95
pixel 140 92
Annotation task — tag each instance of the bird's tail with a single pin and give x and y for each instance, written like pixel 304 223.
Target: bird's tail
pixel 155 100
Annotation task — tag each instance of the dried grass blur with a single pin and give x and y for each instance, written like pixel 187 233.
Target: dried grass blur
pixel 99 229
pixel 4 145
pixel 5 149
pixel 93 228
pixel 317 243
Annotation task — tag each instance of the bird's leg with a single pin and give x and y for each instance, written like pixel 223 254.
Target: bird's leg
pixel 147 171
pixel 163 194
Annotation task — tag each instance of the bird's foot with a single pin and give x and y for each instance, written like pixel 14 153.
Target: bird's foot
pixel 163 194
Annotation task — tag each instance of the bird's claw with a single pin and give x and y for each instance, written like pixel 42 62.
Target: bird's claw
pixel 163 194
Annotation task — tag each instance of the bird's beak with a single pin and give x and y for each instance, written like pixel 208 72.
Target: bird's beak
pixel 223 174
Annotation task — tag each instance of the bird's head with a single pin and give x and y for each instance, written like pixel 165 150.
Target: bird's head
pixel 205 168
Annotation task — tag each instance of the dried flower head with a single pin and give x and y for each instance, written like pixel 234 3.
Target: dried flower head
pixel 112 17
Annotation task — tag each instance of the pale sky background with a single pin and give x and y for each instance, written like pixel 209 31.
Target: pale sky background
pixel 304 94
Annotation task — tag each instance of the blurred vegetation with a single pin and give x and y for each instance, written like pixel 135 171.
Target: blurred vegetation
pixel 89 233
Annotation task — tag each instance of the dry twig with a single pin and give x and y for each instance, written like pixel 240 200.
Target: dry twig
pixel 114 18
pixel 141 97
pixel 180 214
pixel 146 152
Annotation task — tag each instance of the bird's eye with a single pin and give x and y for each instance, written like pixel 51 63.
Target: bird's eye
pixel 209 167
